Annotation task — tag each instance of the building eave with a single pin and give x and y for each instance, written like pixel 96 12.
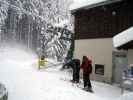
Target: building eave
pixel 89 6
pixel 124 40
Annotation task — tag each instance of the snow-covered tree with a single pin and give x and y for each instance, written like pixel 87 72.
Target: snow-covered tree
pixel 37 24
pixel 3 16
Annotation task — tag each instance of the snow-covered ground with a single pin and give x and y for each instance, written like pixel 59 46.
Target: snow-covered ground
pixel 24 82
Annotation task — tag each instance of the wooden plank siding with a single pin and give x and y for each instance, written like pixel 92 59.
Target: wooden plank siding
pixel 104 21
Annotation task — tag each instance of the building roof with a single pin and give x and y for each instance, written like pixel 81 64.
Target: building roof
pixel 124 40
pixel 87 4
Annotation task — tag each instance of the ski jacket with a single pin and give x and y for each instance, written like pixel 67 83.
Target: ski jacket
pixel 86 65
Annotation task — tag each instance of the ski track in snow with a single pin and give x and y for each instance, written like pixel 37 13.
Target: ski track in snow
pixel 24 82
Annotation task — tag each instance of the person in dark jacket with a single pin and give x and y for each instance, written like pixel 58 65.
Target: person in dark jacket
pixel 75 65
pixel 86 66
pixel 76 69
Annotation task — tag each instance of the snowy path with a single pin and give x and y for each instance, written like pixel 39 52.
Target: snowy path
pixel 29 84
pixel 24 82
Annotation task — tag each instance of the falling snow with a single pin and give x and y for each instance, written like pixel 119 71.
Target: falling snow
pixel 27 22
pixel 24 82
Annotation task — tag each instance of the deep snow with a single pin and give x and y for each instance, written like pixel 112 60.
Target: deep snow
pixel 24 82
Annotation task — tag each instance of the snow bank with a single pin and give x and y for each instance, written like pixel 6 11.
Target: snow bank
pixel 127 96
pixel 123 38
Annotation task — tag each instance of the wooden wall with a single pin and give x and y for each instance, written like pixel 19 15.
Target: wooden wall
pixel 104 21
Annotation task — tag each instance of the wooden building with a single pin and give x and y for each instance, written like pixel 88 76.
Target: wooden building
pixel 94 27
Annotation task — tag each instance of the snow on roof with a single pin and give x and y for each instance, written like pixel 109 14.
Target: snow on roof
pixel 85 3
pixel 123 37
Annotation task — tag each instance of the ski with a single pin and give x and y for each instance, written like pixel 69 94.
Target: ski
pixel 78 85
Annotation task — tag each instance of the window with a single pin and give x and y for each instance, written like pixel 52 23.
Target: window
pixel 99 69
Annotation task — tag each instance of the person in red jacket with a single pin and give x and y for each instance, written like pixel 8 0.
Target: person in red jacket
pixel 86 66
